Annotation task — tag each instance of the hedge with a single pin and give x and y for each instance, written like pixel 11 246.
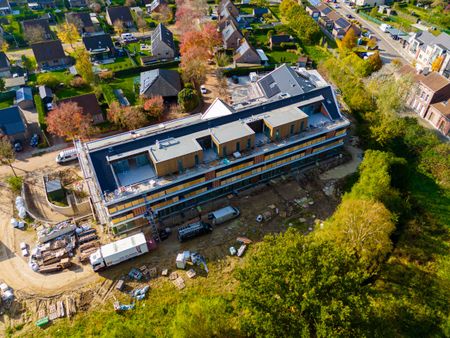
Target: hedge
pixel 108 93
pixel 7 95
pixel 138 70
pixel 246 70
pixel 41 112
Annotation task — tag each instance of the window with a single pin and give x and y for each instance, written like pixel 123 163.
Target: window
pixel 249 143
pixel 292 129
pixel 142 160
pixel 180 166
pixel 121 167
pixel 277 134
pixel 301 125
pixel 196 160
pixel 224 150
pixel 238 146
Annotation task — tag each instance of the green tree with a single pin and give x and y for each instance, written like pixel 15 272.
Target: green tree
pixel 375 62
pixel 49 80
pixel 374 12
pixel 84 65
pixel 203 317
pixel 188 98
pixel 295 286
pixel 7 155
pixel 349 40
pixel 29 63
pixel 2 85
pixel 68 33
pixel 363 228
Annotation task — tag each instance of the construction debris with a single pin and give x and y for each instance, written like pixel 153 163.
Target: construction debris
pixel 140 294
pixel 179 283
pixel 191 273
pixel 241 250
pixel 122 307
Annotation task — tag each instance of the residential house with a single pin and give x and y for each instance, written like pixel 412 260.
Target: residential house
pixel 341 25
pixel 163 46
pixel 89 105
pixel 5 7
pixel 160 82
pixel 430 99
pixel 179 164
pixel 227 7
pixel 41 4
pixel 100 47
pixel 38 24
pixel 369 3
pixel 14 83
pixel 82 20
pixel 225 18
pixel 121 13
pixel 45 94
pixel 50 55
pixel 231 37
pixel 13 123
pixel 77 3
pixel 431 52
pixel 258 12
pixel 313 12
pixel 155 6
pixel 277 40
pixel 245 53
pixel 5 65
pixel 24 98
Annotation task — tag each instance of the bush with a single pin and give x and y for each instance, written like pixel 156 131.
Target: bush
pixel 188 99
pixel 15 183
pixel 108 93
pixel 138 70
pixel 49 80
pixel 78 82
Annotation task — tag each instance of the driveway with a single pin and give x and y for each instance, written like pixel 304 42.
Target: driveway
pixel 389 48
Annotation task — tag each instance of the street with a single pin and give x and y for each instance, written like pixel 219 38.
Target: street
pixel 389 48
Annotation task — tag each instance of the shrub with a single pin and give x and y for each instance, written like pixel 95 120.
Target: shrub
pixel 49 80
pixel 108 93
pixel 41 112
pixel 78 82
pixel 15 183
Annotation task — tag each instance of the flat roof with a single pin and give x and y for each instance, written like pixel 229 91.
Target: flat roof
pixel 284 115
pixel 171 148
pixel 231 131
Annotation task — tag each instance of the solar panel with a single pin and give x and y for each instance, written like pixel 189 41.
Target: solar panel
pixel 326 10
pixel 342 22
pixel 269 86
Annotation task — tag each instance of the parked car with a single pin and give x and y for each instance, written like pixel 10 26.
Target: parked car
pixel 222 215
pixel 203 89
pixel 17 146
pixel 67 156
pixel 24 249
pixel 350 16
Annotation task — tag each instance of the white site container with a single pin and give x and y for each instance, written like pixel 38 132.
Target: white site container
pixel 181 261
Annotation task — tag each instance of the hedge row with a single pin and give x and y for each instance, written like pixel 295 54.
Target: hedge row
pixel 108 93
pixel 41 112
pixel 140 69
pixel 247 70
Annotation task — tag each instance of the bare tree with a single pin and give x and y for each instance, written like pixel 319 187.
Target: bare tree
pixel 7 155
pixel 118 26
pixel 34 34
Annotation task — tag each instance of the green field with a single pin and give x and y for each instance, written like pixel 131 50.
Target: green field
pixel 127 85
pixel 281 57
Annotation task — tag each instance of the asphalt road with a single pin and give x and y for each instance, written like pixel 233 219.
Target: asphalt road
pixel 389 48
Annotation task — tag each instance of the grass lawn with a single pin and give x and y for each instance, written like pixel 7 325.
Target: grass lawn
pixel 66 92
pixel 258 38
pixel 127 85
pixel 246 9
pixel 120 63
pixel 316 53
pixel 275 11
pixel 281 57
pixel 62 75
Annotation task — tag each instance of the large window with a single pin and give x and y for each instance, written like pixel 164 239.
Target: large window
pixel 121 167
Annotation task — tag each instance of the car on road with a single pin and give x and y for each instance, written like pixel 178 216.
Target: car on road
pixel 24 249
pixel 350 16
pixel 203 89
pixel 385 27
pixel 337 6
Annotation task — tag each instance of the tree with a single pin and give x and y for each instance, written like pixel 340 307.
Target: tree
pixel 437 63
pixel 349 40
pixel 29 63
pixel 84 65
pixel 295 286
pixel 164 14
pixel 2 85
pixel 126 117
pixel 203 317
pixel 68 120
pixel 141 24
pixel 374 12
pixel 34 34
pixel 130 3
pixel 363 228
pixel 7 155
pixel 118 26
pixel 154 106
pixel 188 98
pixel 375 62
pixel 49 80
pixel 5 46
pixel 372 43
pixel 68 33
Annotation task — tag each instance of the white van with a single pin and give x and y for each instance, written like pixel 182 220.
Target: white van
pixel 67 156
pixel 385 27
pixel 222 215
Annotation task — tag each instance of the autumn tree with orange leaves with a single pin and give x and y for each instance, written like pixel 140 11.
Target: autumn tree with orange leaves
pixel 67 120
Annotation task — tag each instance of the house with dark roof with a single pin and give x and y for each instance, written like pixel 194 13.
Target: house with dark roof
pixel 258 12
pixel 5 65
pixel 163 46
pixel 50 55
pixel 100 47
pixel 82 20
pixel 13 123
pixel 77 3
pixel 24 98
pixel 41 4
pixel 41 24
pixel 160 82
pixel 5 7
pixel 155 6
pixel 121 13
pixel 227 7
pixel 430 99
pixel 277 40
pixel 45 94
pixel 246 54
pixel 313 12
pixel 231 36
pixel 89 105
